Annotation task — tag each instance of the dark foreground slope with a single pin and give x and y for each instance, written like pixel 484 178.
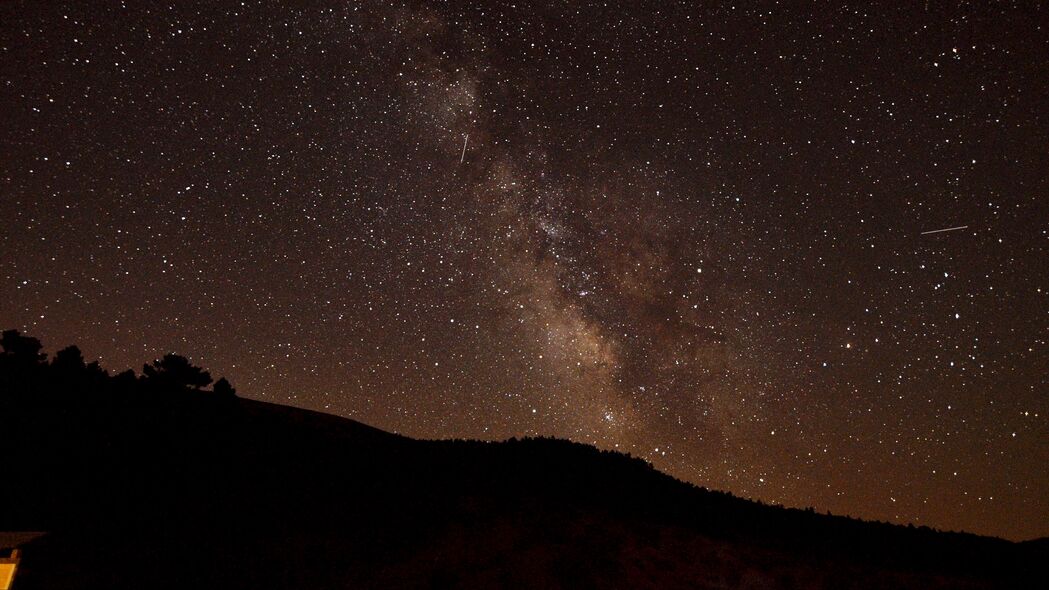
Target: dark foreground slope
pixel 194 490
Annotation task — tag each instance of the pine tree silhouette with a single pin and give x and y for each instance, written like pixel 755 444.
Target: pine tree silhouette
pixel 175 372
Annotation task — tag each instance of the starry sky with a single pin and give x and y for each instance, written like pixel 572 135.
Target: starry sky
pixel 688 231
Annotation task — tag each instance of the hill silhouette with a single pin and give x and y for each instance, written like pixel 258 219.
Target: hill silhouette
pixel 156 481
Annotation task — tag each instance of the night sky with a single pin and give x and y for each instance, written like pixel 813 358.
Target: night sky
pixel 688 232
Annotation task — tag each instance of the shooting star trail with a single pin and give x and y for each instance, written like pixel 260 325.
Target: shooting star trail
pixel 936 231
pixel 465 139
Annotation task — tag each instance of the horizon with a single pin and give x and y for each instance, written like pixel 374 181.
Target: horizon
pixel 145 375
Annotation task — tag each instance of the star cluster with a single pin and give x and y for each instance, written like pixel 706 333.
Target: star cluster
pixel 691 233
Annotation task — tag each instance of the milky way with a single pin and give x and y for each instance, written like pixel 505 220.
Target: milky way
pixel 694 234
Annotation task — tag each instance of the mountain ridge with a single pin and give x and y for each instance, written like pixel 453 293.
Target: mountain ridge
pixel 144 484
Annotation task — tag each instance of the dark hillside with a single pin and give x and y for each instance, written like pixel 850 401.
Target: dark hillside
pixel 154 482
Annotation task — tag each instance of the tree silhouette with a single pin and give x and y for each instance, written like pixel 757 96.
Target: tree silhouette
pixel 124 382
pixel 175 372
pixel 69 360
pixel 27 377
pixel 23 350
pixel 223 388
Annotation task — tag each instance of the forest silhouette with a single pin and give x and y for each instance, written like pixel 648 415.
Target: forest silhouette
pixel 166 479
pixel 25 370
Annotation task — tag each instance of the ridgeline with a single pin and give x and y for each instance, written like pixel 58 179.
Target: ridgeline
pixel 163 480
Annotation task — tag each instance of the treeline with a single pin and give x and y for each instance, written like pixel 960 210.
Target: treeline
pixel 27 374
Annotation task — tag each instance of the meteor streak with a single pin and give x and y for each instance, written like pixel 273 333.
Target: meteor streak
pixel 936 231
